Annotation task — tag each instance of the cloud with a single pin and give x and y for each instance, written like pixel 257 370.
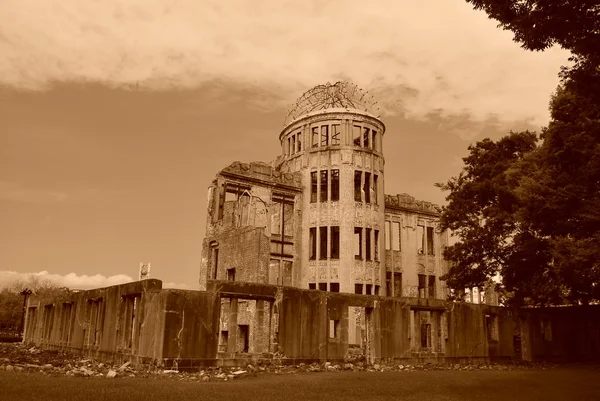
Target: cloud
pixel 75 281
pixel 415 56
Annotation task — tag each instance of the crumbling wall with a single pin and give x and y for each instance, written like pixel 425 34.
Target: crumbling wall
pixel 563 333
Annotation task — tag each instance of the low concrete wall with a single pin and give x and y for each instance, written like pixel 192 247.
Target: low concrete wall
pixel 141 322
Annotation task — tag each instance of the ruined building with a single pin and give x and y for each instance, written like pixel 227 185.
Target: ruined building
pixel 318 217
pixel 306 259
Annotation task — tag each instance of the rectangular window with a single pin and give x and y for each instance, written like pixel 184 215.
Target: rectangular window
pixel 315 137
pixel 396 236
pixel 334 287
pixel 231 274
pixel 376 290
pixel 425 335
pixel 335 185
pixel 397 284
pixel 422 285
pixel 334 329
pixel 335 135
pixel 431 287
pixel 366 135
pixel 289 147
pixel 322 286
pixel 276 219
pixel 299 136
pixel 369 287
pixel 356 135
pixel 358 186
pixel 335 242
pixel 420 239
pixel 374 142
pixel 215 260
pixel 288 219
pixel 376 243
pixel 375 189
pixel 323 197
pixel 313 187
pixel 324 135
pixel 388 236
pixel 312 286
pixel 312 243
pixel 358 243
pixel 358 289
pixel 393 284
pixel 322 243
pixel 368 243
pixel 293 144
pixel 430 241
pixel 367 187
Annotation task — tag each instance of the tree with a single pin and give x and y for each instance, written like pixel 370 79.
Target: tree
pixel 527 209
pixel 11 301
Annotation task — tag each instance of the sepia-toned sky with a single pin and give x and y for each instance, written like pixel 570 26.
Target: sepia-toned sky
pixel 116 115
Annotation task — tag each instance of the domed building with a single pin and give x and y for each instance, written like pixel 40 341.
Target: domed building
pixel 318 217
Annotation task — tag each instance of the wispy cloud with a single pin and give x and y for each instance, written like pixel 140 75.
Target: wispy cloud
pixel 75 281
pixel 416 56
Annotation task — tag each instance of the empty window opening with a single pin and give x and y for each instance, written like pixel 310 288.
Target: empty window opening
pixel 95 318
pixel 388 235
pixel 315 137
pixel 431 287
pixel 299 139
pixel 375 190
pixel 223 339
pixel 334 287
pixel 214 248
pixel 396 244
pixel 312 243
pixel 335 185
pixel 274 271
pixel 368 288
pixel 335 135
pixel 293 144
pixel 244 337
pixel 546 328
pixel 367 187
pixel 358 186
pixel 231 274
pixel 368 243
pixel 430 241
pixel 374 142
pixel 313 187
pixel 289 146
pixel 131 321
pixel 66 323
pixel 366 137
pixel 420 239
pixel 335 242
pixel 376 290
pixel 322 243
pixel 491 322
pixel 358 243
pixel 324 135
pixel 422 285
pixel 48 321
pixel 376 243
pixel 393 283
pixel 312 286
pixel 334 329
pixel 356 135
pixel 322 286
pixel 358 289
pixel 425 335
pixel 324 174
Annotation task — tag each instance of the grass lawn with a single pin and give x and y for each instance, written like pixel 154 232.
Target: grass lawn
pixel 580 384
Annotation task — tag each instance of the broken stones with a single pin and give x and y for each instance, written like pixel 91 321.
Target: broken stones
pixel 111 374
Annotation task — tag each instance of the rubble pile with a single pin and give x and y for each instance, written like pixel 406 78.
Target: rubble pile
pixel 17 357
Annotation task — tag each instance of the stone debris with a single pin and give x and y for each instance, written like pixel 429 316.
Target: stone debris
pixel 15 357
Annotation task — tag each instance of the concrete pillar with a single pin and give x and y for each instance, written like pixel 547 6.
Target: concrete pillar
pixel 232 327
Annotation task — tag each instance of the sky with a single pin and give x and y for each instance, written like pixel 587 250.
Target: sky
pixel 115 116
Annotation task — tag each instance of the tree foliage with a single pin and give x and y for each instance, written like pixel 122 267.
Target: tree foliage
pixel 11 300
pixel 527 208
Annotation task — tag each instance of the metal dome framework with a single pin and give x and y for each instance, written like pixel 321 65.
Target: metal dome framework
pixel 338 95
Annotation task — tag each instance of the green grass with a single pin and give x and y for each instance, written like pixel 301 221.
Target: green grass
pixel 559 384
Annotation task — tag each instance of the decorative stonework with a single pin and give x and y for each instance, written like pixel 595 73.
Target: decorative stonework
pixel 334 270
pixel 335 158
pixel 407 202
pixel 262 172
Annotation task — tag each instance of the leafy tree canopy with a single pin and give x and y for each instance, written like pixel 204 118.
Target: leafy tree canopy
pixel 527 208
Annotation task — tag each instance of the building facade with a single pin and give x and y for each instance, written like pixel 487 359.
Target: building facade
pixel 318 216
